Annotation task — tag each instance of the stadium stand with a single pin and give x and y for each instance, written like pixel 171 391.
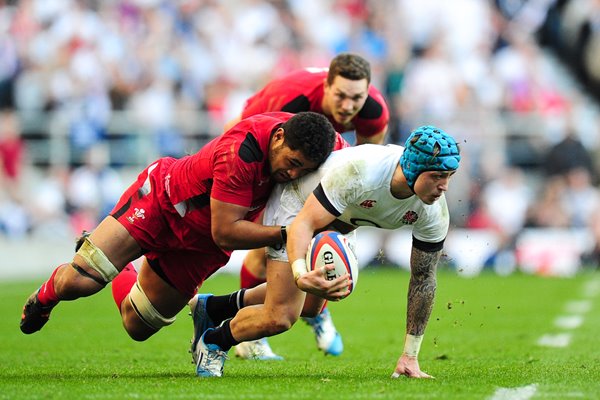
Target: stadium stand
pixel 131 81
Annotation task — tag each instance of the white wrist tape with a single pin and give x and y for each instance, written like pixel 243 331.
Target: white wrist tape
pixel 412 345
pixel 299 268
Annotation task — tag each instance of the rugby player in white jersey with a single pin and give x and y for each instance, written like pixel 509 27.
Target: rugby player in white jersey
pixel 388 187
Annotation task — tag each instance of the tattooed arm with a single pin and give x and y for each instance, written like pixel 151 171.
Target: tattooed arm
pixel 421 290
pixel 421 293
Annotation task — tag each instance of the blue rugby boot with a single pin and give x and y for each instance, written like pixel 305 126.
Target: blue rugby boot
pixel 201 319
pixel 256 350
pixel 328 338
pixel 210 359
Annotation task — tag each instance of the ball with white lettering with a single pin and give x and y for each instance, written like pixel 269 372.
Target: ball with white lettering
pixel 332 248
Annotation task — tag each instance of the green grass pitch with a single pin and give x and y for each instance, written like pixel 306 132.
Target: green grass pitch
pixel 482 336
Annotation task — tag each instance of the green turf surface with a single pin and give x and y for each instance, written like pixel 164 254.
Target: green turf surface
pixel 482 336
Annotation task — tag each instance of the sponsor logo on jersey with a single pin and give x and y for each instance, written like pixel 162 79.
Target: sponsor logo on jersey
pixel 368 203
pixel 138 213
pixel 410 218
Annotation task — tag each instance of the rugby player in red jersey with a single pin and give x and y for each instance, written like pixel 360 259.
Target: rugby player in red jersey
pixel 186 216
pixel 344 94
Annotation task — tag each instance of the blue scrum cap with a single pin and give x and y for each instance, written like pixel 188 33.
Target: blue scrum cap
pixel 428 149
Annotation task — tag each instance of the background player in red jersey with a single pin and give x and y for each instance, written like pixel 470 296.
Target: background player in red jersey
pixel 186 216
pixel 344 94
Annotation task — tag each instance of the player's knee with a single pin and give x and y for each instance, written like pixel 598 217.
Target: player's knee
pixel 89 272
pixel 140 318
pixel 104 270
pixel 281 321
pixel 133 324
pixel 277 326
pixel 136 329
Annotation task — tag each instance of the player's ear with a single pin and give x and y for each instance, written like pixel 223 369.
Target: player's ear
pixel 279 135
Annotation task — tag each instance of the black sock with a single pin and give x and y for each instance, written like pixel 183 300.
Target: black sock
pixel 221 336
pixel 220 308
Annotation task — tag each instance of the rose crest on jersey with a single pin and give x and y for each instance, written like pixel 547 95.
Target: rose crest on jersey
pixel 410 217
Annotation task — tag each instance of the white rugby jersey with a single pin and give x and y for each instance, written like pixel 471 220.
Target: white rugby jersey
pixel 354 185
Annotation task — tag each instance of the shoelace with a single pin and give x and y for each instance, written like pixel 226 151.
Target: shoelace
pixel 214 360
pixel 216 356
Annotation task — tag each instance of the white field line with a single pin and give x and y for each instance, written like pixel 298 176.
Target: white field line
pixel 518 393
pixel 573 321
pixel 568 321
pixel 556 340
pixel 578 306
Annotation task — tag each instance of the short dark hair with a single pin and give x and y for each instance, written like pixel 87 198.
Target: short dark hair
pixel 311 133
pixel 349 66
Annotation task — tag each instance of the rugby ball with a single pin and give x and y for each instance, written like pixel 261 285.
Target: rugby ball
pixel 332 248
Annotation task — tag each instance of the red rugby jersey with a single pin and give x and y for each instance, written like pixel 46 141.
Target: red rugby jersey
pixel 232 168
pixel 302 90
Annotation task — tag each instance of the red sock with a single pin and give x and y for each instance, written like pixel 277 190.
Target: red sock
pixel 47 294
pixel 248 280
pixel 122 284
pixel 324 307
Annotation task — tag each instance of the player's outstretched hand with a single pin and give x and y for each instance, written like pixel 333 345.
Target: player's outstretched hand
pixel 314 282
pixel 409 367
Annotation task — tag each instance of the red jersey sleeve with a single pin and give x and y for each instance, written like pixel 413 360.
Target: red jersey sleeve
pixel 233 179
pixel 232 167
pixel 240 168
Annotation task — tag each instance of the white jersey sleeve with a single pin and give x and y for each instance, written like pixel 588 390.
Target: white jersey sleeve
pixel 434 221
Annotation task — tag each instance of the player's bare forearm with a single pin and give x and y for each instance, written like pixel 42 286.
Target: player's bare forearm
pixel 421 290
pixel 231 231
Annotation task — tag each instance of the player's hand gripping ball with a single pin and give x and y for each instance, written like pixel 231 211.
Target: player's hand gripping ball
pixel 332 248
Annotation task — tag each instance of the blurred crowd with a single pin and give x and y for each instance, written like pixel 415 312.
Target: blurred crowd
pixel 483 70
pixel 572 29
